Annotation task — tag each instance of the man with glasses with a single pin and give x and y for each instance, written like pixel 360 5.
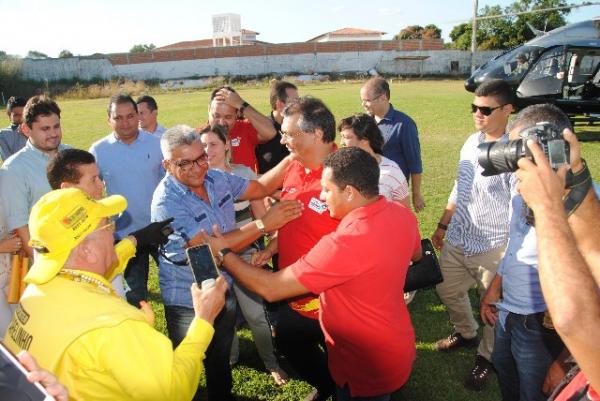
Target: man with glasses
pixel 476 219
pixel 245 126
pixel 70 320
pixel 130 165
pixel 399 133
pixel 200 199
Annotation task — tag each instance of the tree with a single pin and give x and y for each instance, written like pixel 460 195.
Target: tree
pixel 65 54
pixel 36 55
pixel 507 32
pixel 430 31
pixel 142 48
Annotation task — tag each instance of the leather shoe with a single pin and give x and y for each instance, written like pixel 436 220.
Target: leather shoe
pixel 455 341
pixel 477 379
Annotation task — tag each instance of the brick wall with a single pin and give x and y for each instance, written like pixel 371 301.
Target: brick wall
pixel 274 49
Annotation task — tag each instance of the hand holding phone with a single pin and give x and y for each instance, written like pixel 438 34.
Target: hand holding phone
pixel 14 383
pixel 202 263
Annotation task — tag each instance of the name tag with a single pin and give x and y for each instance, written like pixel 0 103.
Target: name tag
pixel 316 205
pixel 235 141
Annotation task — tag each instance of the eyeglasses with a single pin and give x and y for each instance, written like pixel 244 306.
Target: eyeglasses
pixel 186 165
pixel 486 111
pixel 371 100
pixel 291 134
pixel 111 225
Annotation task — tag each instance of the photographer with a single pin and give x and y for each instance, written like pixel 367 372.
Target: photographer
pixel 526 343
pixel 569 259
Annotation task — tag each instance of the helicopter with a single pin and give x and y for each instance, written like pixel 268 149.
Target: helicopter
pixel 560 67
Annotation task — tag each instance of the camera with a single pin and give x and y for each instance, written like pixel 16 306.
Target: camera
pixel 502 157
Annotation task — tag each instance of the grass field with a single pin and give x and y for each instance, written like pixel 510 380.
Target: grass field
pixel 441 111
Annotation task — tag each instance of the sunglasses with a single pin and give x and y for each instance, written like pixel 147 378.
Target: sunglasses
pixel 486 111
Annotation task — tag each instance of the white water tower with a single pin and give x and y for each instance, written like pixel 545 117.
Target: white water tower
pixel 227 29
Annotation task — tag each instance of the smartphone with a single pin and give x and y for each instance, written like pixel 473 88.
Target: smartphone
pixel 202 263
pixel 13 380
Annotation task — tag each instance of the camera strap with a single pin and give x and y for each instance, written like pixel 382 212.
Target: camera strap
pixel 579 185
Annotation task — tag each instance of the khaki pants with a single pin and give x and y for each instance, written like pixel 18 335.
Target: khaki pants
pixel 460 274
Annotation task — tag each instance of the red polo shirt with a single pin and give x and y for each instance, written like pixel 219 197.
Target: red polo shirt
pixel 359 272
pixel 244 138
pixel 298 236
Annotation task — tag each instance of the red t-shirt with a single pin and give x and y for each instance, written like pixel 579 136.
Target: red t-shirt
pixel 298 236
pixel 359 272
pixel 244 138
pixel 578 389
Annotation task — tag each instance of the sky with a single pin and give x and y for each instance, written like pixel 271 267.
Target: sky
pixel 85 27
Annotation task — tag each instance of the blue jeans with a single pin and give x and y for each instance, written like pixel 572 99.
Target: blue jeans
pixel 523 352
pixel 136 275
pixel 216 364
pixel 343 394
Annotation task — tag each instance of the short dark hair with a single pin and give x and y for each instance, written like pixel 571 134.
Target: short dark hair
pixel 64 167
pixel 380 86
pixel 213 94
pixel 39 106
pixel 121 98
pixel 149 100
pixel 15 102
pixel 537 113
pixel 279 92
pixel 313 114
pixel 498 89
pixel 364 127
pixel 356 167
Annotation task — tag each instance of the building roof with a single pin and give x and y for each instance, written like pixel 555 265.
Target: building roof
pixel 348 32
pixel 250 32
pixel 192 44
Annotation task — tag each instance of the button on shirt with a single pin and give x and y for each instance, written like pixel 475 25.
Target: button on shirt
pixel 23 182
pixel 401 141
pixel 192 214
pixel 480 221
pixel 132 170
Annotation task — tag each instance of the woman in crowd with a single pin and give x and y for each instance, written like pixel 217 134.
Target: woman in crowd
pixel 217 147
pixel 360 130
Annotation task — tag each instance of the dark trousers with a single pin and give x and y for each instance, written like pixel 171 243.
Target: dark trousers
pixel 136 275
pixel 523 352
pixel 301 341
pixel 216 364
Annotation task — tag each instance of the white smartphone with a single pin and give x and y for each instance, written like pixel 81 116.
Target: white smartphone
pixel 13 380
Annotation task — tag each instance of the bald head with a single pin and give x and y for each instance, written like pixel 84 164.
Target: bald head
pixel 375 97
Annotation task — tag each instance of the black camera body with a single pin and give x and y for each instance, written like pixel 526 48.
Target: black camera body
pixel 502 157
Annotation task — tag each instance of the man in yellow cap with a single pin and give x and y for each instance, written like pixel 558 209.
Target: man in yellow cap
pixel 73 323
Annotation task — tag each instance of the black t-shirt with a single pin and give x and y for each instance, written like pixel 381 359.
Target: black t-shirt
pixel 269 154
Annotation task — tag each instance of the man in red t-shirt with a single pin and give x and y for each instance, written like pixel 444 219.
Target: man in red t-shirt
pixel 360 279
pixel 245 126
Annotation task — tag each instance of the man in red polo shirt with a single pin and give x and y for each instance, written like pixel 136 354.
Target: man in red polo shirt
pixel 360 279
pixel 245 126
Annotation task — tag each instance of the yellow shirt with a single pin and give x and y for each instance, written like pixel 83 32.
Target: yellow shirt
pixel 100 347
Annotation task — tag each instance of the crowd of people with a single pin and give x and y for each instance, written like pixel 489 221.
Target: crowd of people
pixel 301 231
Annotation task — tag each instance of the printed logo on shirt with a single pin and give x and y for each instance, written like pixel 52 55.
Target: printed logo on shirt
pixel 316 205
pixel 289 190
pixel 235 141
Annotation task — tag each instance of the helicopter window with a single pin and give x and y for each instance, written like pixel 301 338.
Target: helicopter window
pixel 550 65
pixel 514 63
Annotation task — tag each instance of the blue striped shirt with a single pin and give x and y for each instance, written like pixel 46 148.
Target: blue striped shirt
pixel 480 221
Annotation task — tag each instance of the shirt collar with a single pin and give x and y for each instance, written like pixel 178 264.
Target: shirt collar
pixel 114 138
pixel 390 114
pixel 32 148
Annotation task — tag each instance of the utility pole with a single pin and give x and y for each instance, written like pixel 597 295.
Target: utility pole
pixel 474 35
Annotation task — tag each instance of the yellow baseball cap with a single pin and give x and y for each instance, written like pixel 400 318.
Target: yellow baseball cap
pixel 58 222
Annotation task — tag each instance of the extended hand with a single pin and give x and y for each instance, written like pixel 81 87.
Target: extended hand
pixel 418 201
pixel 209 302
pixel 261 258
pixel 44 377
pixel 438 238
pixel 10 244
pixel 282 212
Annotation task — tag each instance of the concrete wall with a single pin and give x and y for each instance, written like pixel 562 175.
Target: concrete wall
pixel 388 57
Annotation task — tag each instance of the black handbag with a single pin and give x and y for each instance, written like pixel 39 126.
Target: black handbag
pixel 426 272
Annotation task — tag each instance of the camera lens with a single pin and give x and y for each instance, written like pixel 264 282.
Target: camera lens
pixel 500 157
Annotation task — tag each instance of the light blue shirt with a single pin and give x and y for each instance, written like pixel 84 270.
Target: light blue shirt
pixel 480 220
pixel 23 182
pixel 11 141
pixel 157 132
pixel 132 170
pixel 191 214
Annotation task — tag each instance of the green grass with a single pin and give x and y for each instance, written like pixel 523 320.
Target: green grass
pixel 441 111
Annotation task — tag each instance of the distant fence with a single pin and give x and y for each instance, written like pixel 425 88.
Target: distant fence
pixel 404 57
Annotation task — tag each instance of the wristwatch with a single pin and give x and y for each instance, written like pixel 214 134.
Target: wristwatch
pixel 260 225
pixel 221 254
pixel 244 106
